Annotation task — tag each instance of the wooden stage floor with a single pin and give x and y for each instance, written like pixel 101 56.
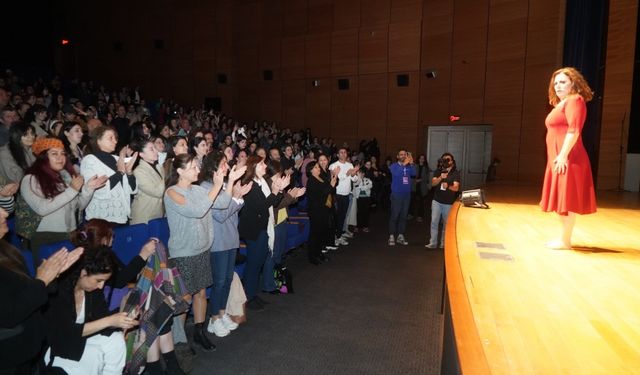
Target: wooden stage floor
pixel 520 308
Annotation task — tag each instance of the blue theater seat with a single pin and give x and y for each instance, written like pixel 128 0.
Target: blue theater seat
pixel 159 228
pixel 48 249
pixel 128 241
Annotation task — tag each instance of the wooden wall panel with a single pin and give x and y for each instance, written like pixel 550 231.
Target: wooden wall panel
pixel 375 12
pixel 406 11
pixel 318 55
pixel 404 46
pixel 292 61
pixel 505 81
pixel 320 18
pixel 617 93
pixel 318 107
pixel 346 14
pixel 344 112
pixel 468 59
pixel 271 14
pixel 344 52
pixel 402 117
pixel 293 103
pixel 294 17
pixel 373 49
pixel 269 57
pixel 271 101
pixel 543 40
pixel 437 34
pixel 247 32
pixel 372 108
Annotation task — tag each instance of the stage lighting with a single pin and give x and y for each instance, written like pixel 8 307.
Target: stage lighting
pixel 473 198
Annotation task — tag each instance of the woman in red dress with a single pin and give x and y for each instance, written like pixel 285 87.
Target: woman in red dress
pixel 568 185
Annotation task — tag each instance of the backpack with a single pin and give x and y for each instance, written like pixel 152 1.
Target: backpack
pixel 27 220
pixel 283 279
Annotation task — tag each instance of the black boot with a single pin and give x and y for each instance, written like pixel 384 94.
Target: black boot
pixel 153 368
pixel 200 338
pixel 173 367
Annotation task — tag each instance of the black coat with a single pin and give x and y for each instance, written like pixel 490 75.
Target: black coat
pixel 254 215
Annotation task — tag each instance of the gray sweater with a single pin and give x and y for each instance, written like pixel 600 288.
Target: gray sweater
pixel 191 224
pixel 225 221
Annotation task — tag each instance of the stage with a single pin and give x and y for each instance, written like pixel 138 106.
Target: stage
pixel 517 307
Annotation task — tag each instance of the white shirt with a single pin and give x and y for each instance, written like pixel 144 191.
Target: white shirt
pixel 344 181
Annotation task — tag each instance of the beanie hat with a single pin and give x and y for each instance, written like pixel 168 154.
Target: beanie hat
pixel 43 144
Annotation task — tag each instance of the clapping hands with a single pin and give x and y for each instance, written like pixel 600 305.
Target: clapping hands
pixel 240 190
pixel 57 263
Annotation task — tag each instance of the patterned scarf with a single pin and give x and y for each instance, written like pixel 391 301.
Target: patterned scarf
pixel 158 296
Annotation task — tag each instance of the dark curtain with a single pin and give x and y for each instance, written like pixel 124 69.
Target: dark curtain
pixel 585 42
pixel 633 146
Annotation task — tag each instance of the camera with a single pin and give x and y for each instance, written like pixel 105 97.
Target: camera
pixel 443 164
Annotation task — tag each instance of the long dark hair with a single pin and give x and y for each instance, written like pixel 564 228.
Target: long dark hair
pixel 50 181
pixel 67 126
pixel 180 161
pixel 16 132
pixel 210 165
pixel 193 144
pixel 11 259
pixel 173 141
pixel 252 162
pixel 95 261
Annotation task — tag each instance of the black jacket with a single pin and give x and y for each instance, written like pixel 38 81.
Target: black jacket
pixel 254 215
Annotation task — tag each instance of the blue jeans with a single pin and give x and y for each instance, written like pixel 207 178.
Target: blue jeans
pixel 222 265
pixel 279 248
pixel 399 210
pixel 438 210
pixel 257 251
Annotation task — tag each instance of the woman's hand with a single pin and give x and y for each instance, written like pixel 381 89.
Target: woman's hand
pixel 128 166
pixel 57 263
pixel 236 173
pixel 335 171
pixel 560 164
pixel 218 177
pixel 76 183
pixel 240 190
pixel 96 182
pixel 148 249
pixel 122 320
pixel 9 189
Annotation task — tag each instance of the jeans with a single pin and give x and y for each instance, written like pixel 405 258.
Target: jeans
pixel 222 266
pixel 399 211
pixel 257 250
pixel 279 249
pixel 342 207
pixel 438 210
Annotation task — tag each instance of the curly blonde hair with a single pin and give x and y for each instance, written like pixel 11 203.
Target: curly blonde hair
pixel 580 85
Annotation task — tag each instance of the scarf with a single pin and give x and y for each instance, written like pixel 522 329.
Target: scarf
pixel 158 295
pixel 271 233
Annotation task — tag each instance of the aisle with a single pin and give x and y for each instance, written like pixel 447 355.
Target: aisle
pixel 373 309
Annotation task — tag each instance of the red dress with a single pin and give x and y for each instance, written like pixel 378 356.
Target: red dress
pixel 572 191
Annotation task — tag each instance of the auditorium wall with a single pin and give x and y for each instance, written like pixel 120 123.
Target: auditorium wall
pixel 491 58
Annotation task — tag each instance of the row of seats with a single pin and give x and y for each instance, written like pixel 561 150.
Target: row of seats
pixel 129 239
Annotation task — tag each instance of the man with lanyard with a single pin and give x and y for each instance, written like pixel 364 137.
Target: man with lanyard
pixel 346 174
pixel 447 179
pixel 401 173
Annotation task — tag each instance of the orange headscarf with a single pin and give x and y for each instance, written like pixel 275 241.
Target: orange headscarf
pixel 43 144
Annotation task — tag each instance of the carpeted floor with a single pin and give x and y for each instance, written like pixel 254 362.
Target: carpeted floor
pixel 373 309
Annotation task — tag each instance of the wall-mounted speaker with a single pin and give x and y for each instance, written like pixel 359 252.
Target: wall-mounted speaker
pixel 158 44
pixel 403 80
pixel 267 75
pixel 315 83
pixel 222 78
pixel 343 84
pixel 432 74
pixel 214 103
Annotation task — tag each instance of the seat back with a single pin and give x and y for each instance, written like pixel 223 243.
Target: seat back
pixel 159 228
pixel 128 241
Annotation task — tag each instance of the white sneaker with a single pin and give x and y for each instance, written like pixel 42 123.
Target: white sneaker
pixel 401 241
pixel 347 234
pixel 329 247
pixel 217 327
pixel 341 241
pixel 392 241
pixel 228 323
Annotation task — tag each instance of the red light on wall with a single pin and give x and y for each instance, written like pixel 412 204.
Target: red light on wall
pixel 454 118
pixel 64 42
